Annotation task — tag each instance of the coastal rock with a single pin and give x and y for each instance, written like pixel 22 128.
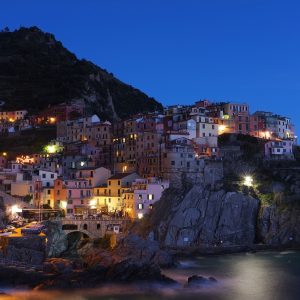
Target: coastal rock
pixel 28 249
pixel 135 247
pixel 204 217
pixel 279 225
pixel 130 247
pixel 92 256
pixel 57 239
pixel 134 270
pixel 200 281
pixel 58 266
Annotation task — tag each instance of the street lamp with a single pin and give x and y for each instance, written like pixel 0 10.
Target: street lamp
pixel 248 181
pixel 222 129
pixel 15 209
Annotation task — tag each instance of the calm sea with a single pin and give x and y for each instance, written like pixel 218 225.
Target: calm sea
pixel 263 275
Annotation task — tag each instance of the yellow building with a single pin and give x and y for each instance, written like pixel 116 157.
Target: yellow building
pixel 48 197
pixel 110 197
pixel 129 204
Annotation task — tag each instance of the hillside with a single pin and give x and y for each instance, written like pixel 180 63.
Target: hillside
pixel 37 71
pixel 27 141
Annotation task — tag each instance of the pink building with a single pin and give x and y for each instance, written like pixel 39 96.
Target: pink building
pixel 78 194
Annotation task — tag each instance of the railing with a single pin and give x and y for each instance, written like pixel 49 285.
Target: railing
pixel 108 218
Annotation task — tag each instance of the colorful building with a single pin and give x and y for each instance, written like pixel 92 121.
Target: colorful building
pixel 139 199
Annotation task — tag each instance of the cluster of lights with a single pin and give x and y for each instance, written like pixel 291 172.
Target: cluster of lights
pixel 24 159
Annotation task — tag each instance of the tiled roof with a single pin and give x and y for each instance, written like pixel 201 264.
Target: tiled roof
pixel 120 175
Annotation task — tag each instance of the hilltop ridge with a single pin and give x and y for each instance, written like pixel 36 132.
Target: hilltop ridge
pixel 37 71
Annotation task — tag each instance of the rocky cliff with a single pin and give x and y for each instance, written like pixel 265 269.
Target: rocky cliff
pixel 27 249
pixel 201 214
pixel 202 217
pixel 37 71
pixel 279 226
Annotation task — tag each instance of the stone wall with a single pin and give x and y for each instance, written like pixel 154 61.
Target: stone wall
pixel 210 172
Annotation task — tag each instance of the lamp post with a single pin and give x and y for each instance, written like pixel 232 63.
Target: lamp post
pixel 248 181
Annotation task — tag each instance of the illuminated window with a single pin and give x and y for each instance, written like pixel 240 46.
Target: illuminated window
pixel 150 196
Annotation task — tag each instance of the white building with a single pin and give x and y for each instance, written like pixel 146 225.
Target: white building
pixel 142 195
pixel 279 149
pixel 47 178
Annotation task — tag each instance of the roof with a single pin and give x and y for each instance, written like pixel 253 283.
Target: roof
pixel 120 176
pixel 87 168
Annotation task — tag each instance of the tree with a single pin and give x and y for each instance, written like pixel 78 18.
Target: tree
pixel 27 198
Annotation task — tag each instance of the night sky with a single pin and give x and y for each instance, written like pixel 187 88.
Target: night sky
pixel 182 51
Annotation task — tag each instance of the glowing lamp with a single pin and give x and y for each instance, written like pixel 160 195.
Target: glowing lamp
pixel 93 203
pixel 50 149
pixel 63 204
pixel 15 209
pixel 248 181
pixel 140 216
pixel 222 128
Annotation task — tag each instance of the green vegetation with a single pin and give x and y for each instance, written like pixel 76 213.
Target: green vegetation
pixel 27 198
pixel 27 142
pixel 266 199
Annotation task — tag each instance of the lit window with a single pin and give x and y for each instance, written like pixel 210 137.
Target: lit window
pixel 150 197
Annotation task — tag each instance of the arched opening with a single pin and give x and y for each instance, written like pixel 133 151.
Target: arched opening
pixel 69 227
pixel 98 226
pixel 74 239
pixel 85 227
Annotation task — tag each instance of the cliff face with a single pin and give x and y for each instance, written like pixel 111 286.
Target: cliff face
pixel 37 71
pixel 200 216
pixel 279 226
pixel 204 217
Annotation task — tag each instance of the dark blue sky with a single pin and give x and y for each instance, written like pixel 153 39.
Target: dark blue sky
pixel 182 51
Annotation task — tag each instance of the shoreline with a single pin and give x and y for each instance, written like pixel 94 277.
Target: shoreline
pixel 20 279
pixel 211 251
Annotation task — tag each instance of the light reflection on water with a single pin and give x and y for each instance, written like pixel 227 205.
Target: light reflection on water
pixel 264 275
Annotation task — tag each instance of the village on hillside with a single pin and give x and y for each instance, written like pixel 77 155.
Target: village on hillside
pixel 95 167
